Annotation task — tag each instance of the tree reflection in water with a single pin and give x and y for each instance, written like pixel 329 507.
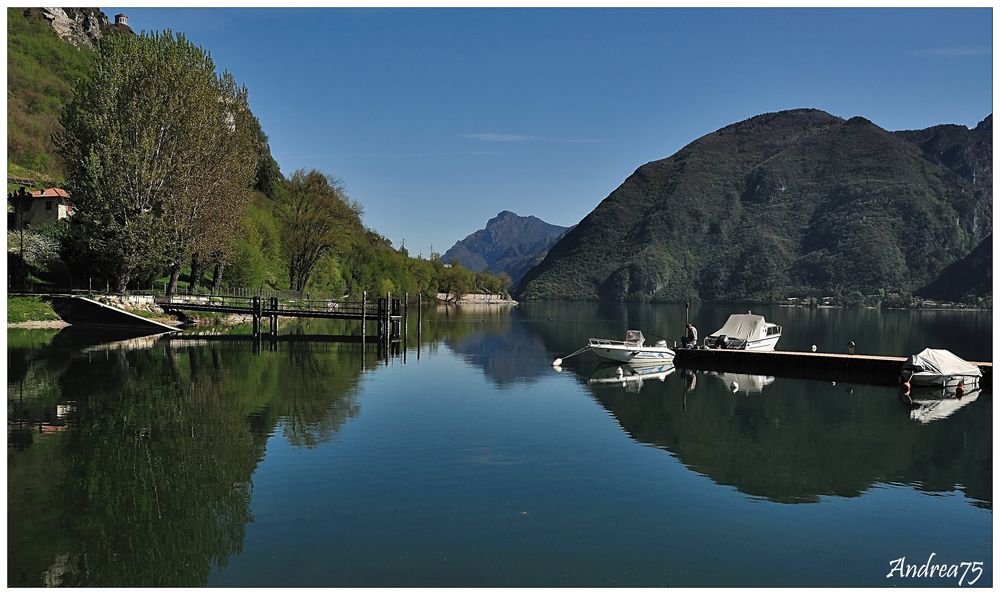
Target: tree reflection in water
pixel 151 483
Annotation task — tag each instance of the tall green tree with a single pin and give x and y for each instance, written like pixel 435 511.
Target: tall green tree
pixel 161 156
pixel 316 218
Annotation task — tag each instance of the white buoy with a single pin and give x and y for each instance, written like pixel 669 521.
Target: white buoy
pixel 814 348
pixel 557 363
pixel 735 386
pixel 833 383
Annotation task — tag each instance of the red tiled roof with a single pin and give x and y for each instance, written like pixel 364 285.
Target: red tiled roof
pixel 50 193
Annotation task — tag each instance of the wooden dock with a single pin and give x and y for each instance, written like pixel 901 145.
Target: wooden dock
pixel 389 313
pixel 864 369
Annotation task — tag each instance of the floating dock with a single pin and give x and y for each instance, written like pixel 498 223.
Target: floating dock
pixel 862 369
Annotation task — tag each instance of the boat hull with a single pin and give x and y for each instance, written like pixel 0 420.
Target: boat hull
pixel 635 355
pixel 942 380
pixel 767 344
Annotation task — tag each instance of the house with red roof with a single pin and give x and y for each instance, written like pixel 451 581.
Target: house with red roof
pixel 48 206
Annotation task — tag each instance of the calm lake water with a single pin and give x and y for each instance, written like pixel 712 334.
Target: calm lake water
pixel 469 461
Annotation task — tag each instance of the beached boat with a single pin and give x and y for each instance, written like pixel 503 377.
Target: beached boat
pixel 939 367
pixel 745 331
pixel 632 350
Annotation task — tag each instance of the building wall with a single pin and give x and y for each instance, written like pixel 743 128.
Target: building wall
pixel 39 215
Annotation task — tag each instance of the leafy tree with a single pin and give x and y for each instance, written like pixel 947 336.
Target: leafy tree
pixel 159 152
pixel 316 217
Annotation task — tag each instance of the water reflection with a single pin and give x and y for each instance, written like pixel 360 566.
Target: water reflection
pixel 746 384
pixel 150 478
pixel 932 404
pixel 967 334
pixel 494 340
pixel 804 440
pixel 631 378
pixel 148 482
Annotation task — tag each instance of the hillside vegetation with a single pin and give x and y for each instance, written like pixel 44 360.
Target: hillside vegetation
pixel 41 71
pixel 54 87
pixel 784 204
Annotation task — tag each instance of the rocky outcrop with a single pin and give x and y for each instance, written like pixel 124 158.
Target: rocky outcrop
pixel 79 26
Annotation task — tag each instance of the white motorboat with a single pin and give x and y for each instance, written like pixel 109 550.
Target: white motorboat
pixel 940 367
pixel 632 350
pixel 745 331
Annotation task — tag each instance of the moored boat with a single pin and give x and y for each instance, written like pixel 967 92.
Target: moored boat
pixel 745 331
pixel 632 350
pixel 939 367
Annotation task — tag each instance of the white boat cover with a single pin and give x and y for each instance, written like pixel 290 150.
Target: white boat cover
pixel 741 326
pixel 941 361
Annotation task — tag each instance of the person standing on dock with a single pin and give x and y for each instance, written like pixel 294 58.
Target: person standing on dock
pixel 691 338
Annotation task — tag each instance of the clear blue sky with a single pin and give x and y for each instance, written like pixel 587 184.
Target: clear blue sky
pixel 437 119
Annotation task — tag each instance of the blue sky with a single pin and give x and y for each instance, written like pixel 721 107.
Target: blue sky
pixel 437 119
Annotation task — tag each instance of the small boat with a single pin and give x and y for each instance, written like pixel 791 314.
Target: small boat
pixel 940 367
pixel 632 350
pixel 745 331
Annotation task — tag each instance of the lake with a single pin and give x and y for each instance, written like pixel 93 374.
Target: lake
pixel 465 459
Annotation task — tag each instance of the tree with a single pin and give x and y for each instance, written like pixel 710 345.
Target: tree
pixel 20 200
pixel 160 156
pixel 316 217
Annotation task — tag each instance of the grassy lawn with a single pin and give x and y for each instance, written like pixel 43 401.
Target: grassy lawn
pixel 27 309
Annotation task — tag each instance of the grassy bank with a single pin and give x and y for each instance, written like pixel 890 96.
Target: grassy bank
pixel 29 309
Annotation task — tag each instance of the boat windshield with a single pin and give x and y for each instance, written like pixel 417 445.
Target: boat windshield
pixel 634 338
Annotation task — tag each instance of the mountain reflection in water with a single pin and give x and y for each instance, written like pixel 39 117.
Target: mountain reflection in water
pixel 200 460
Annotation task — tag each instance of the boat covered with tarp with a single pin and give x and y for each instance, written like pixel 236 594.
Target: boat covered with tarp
pixel 939 367
pixel 745 331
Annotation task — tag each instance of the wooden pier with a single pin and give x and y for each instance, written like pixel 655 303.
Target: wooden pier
pixel 864 369
pixel 387 312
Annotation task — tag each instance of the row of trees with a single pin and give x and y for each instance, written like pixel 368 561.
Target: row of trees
pixel 167 165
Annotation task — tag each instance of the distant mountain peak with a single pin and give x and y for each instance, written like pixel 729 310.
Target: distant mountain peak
pixel 510 243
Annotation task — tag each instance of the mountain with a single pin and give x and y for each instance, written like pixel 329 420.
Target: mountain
pixel 798 202
pixel 508 244
pixel 970 277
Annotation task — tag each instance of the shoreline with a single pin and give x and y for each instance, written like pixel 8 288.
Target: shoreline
pixel 466 300
pixel 39 324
